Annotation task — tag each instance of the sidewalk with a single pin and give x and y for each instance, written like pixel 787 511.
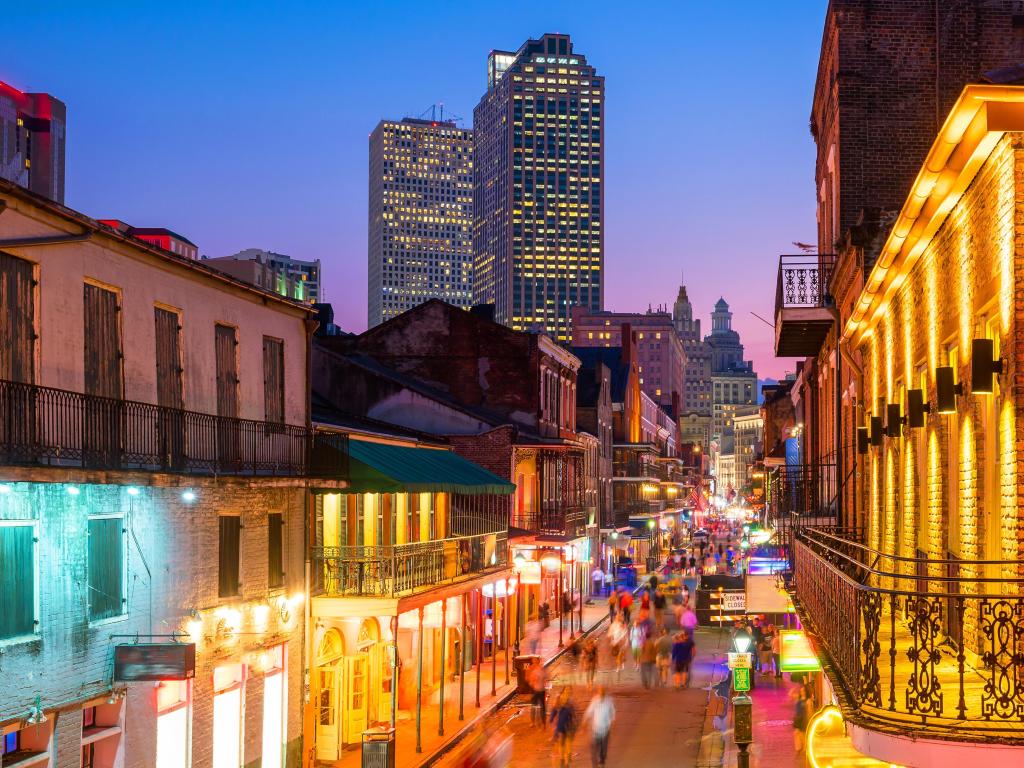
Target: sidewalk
pixel 432 742
pixel 773 711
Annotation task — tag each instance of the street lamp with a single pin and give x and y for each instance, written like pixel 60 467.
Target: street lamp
pixel 742 705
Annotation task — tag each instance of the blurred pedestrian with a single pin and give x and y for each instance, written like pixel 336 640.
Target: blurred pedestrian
pixel 590 660
pixel 648 661
pixel 664 656
pixel 625 603
pixel 537 677
pixel 777 653
pixel 601 714
pixel 682 655
pixel 563 716
pixel 800 718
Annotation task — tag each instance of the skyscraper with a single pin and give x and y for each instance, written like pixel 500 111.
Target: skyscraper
pixel 421 215
pixel 32 127
pixel 696 393
pixel 733 381
pixel 538 207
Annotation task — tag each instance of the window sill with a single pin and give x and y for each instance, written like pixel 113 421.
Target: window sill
pixel 37 758
pixel 19 640
pixel 109 620
pixel 94 733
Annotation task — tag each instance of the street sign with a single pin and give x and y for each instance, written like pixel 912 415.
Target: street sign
pixel 732 601
pixel 740 660
pixel 741 678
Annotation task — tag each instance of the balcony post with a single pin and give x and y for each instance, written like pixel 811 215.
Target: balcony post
pixel 479 642
pixel 561 567
pixel 394 669
pixel 419 686
pixel 444 672
pixel 504 628
pixel 462 658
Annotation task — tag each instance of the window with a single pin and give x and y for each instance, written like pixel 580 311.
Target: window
pixel 228 681
pixel 172 723
pixel 230 549
pixel 106 568
pixel 275 708
pixel 273 379
pixel 275 547
pixel 17 579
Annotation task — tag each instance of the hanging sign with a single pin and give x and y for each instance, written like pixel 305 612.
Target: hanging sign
pixel 138 662
pixel 529 572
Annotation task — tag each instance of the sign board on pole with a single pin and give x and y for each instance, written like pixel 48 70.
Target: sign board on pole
pixel 734 601
pixel 740 660
pixel 135 662
pixel 741 679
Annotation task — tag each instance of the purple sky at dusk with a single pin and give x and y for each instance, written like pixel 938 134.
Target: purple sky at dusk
pixel 245 125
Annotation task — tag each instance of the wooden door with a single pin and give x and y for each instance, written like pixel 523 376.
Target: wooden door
pixel 170 388
pixel 228 439
pixel 17 360
pixel 328 720
pixel 104 382
pixel 354 704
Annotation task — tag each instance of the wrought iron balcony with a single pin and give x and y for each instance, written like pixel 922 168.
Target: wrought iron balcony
pixel 42 426
pixel 638 470
pixel 555 518
pixel 923 645
pixel 801 493
pixel 802 320
pixel 404 569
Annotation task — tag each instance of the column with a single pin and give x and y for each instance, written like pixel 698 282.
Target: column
pixel 462 659
pixel 419 686
pixel 504 630
pixel 479 641
pixel 444 647
pixel 394 669
pixel 494 639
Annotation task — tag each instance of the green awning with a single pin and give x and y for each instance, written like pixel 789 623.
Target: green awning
pixel 385 468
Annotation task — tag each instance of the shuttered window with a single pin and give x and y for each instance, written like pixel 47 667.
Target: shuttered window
pixel 275 550
pixel 102 343
pixel 226 341
pixel 17 319
pixel 230 549
pixel 169 390
pixel 106 567
pixel 17 580
pixel 273 379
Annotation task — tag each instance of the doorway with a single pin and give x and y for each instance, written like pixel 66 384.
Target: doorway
pixel 329 680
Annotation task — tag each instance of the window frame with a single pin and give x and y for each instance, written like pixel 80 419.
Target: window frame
pixel 238 562
pixel 124 571
pixel 36 621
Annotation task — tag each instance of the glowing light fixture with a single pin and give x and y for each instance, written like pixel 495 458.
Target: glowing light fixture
pixel 876 430
pixel 863 438
pixel 946 390
pixel 984 367
pixel 741 642
pixel 5 488
pixel 73 490
pixel 893 420
pixel 188 496
pixel 132 490
pixel 917 407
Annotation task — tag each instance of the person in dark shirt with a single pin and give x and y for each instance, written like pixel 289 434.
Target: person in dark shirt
pixel 682 654
pixel 563 715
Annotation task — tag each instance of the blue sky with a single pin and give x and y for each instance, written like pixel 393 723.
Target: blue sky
pixel 245 125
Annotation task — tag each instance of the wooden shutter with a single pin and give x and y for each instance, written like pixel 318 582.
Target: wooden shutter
pixel 17 319
pixel 17 580
pixel 227 371
pixel 230 547
pixel 102 343
pixel 106 567
pixel 275 550
pixel 169 383
pixel 273 379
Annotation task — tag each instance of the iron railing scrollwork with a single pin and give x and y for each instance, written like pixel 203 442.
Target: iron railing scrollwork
pixel 803 280
pixel 43 426
pixel 911 643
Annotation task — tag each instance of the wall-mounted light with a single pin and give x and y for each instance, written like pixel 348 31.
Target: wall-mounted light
pixel 893 420
pixel 946 390
pixel 72 490
pixel 876 430
pixel 188 496
pixel 5 488
pixel 132 490
pixel 863 438
pixel 917 407
pixel 983 366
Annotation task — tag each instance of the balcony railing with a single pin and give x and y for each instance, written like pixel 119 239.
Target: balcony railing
pixel 636 469
pixel 42 426
pixel 928 645
pixel 403 569
pixel 553 517
pixel 802 318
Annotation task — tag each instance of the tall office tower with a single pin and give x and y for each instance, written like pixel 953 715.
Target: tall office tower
pixel 733 381
pixel 421 216
pixel 538 207
pixel 697 376
pixel 32 127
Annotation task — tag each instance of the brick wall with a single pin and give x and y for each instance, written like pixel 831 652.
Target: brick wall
pixel 491 450
pixel 970 275
pixel 172 568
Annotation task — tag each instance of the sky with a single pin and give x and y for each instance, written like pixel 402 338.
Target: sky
pixel 246 124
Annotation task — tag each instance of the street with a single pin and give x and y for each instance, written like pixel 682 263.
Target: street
pixel 657 727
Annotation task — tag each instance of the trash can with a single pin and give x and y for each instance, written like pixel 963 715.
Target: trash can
pixel 522 663
pixel 378 748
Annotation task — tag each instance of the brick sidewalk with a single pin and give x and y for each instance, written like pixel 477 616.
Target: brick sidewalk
pixel 432 742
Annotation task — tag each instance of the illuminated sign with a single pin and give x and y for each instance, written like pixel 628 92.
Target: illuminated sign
pixel 529 572
pixel 741 678
pixel 739 660
pixel 140 662
pixel 797 655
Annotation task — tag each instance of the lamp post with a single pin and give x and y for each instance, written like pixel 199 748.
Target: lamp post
pixel 561 567
pixel 742 706
pixel 519 561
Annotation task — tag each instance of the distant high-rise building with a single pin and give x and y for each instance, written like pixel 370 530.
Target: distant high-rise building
pixel 32 128
pixel 733 381
pixel 158 236
pixel 294 278
pixel 538 203
pixel 420 216
pixel 696 394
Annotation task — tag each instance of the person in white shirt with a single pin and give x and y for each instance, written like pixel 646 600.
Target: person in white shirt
pixel 601 714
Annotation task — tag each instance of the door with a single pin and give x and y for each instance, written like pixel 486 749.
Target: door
pixel 354 702
pixel 104 383
pixel 170 388
pixel 379 683
pixel 228 441
pixel 17 359
pixel 328 721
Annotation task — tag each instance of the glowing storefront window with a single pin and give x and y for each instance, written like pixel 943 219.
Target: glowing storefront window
pixel 228 681
pixel 275 710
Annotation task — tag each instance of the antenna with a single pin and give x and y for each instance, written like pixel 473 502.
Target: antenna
pixel 436 114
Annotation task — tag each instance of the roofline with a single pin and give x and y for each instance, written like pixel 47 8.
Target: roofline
pixel 978 120
pixel 76 217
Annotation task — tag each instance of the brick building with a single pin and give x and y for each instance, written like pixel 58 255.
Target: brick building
pixel 155 452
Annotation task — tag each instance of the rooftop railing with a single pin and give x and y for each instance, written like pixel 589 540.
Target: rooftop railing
pixel 932 645
pixel 43 426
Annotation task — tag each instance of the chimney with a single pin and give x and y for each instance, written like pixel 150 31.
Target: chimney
pixel 627 343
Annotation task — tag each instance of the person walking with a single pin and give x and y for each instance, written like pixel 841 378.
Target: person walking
pixel 601 714
pixel 617 635
pixel 563 716
pixel 537 677
pixel 663 651
pixel 648 660
pixel 800 719
pixel 613 605
pixel 590 660
pixel 682 655
pixel 625 603
pixel 777 653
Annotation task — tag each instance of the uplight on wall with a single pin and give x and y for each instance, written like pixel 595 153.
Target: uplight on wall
pixel 863 438
pixel 984 368
pixel 893 420
pixel 917 407
pixel 946 390
pixel 876 430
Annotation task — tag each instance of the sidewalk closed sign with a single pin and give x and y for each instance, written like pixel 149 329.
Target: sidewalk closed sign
pixel 740 660
pixel 734 601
